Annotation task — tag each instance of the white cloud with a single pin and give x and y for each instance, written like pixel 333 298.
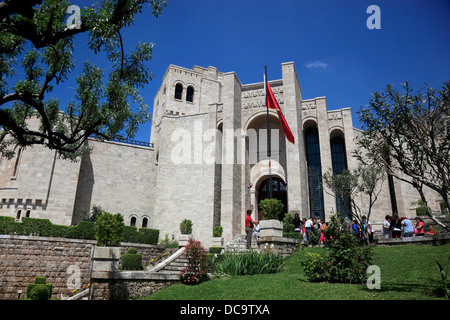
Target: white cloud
pixel 317 64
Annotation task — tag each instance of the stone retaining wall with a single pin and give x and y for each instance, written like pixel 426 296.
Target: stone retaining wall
pixel 22 258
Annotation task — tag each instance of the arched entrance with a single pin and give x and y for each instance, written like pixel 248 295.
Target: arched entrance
pixel 278 192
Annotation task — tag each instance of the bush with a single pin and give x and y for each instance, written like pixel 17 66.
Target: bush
pixel 420 211
pixel 217 231
pixel 272 209
pixel 132 260
pixel 214 250
pixel 83 230
pixel 186 226
pixel 36 227
pixel 197 270
pixel 108 229
pixel 39 290
pixel 149 236
pixel 346 261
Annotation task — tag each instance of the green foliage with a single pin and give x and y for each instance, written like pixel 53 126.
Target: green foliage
pixel 272 209
pixel 186 226
pixel 83 230
pixel 247 263
pixel 215 250
pixel 444 274
pixel 39 290
pixel 217 231
pixel 132 250
pixel 421 211
pixel 37 46
pixel 345 262
pixel 132 260
pixel 108 229
pixel 167 243
pixel 197 270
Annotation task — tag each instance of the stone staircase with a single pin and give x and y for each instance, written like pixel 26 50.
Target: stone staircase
pixel 173 264
pixel 238 245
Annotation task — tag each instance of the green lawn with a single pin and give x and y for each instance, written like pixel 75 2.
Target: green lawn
pixel 408 272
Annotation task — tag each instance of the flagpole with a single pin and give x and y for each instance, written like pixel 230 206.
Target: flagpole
pixel 269 187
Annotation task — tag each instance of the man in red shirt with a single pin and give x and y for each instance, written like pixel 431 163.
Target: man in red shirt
pixel 249 228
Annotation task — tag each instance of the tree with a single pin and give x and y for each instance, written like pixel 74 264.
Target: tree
pixel 38 39
pixel 272 209
pixel 346 186
pixel 409 135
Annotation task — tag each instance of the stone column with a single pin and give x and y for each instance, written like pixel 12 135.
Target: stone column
pixel 329 201
pixel 296 174
pixel 232 213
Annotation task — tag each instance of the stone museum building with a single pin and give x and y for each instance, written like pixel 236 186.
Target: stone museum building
pixel 206 161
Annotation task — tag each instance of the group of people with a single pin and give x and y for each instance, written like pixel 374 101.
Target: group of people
pixel 307 226
pixel 395 227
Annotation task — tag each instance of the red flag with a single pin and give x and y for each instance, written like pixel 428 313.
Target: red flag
pixel 273 104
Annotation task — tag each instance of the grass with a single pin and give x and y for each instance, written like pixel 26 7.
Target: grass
pixel 408 272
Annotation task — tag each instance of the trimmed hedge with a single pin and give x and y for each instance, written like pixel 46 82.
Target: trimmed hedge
pixel 83 230
pixel 39 290
pixel 132 260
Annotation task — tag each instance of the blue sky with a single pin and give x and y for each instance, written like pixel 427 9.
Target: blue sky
pixel 335 54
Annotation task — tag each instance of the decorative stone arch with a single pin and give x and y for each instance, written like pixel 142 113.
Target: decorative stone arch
pixel 191 90
pixel 133 220
pixel 178 90
pixel 336 131
pixel 309 122
pixel 145 220
pixel 259 173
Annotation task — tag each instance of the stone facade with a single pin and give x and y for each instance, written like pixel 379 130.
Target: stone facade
pixel 23 258
pixel 207 161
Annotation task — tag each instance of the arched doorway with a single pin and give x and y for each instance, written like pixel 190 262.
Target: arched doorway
pixel 278 191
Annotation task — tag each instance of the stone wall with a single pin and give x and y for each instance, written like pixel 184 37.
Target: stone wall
pixel 23 258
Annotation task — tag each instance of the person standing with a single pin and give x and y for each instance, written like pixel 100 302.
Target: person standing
pixel 367 229
pixel 386 226
pixel 308 228
pixel 249 228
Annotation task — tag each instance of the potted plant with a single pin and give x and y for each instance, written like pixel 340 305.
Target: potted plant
pixel 108 232
pixel 217 236
pixel 186 232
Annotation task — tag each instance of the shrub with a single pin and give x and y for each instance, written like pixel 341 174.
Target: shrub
pixel 217 231
pixel 35 289
pixel 197 270
pixel 39 292
pixel 149 236
pixel 108 229
pixel 272 209
pixel 186 226
pixel 315 267
pixel 345 262
pixel 132 260
pixel 36 227
pixel 83 230
pixel 214 250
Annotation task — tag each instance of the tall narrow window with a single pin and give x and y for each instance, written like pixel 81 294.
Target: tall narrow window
pixel 16 165
pixel 133 221
pixel 339 161
pixel 314 173
pixel 27 213
pixel 18 213
pixel 144 223
pixel 190 94
pixel 178 91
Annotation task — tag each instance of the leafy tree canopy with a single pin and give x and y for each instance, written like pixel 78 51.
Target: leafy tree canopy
pixel 38 53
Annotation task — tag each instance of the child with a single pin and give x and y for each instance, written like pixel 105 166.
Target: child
pixel 323 227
